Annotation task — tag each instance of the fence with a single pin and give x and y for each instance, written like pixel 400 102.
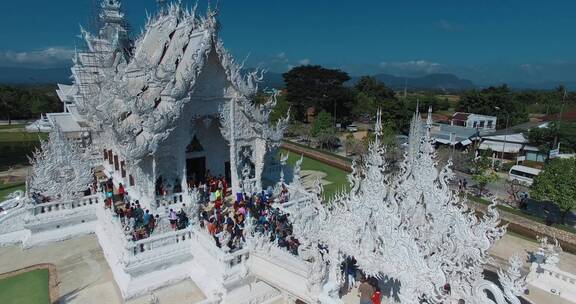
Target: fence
pixel 46 208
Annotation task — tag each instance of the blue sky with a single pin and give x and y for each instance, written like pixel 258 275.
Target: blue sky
pixel 488 41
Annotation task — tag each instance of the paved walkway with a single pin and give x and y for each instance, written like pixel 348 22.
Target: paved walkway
pixel 84 274
pixel 86 278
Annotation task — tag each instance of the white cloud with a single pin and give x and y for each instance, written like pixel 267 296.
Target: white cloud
pixel 305 61
pixel 49 57
pixel 446 25
pixel 280 57
pixel 416 67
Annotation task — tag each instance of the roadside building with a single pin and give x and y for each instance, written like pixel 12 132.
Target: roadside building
pixel 474 121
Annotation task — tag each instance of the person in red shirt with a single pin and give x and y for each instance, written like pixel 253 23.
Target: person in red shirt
pixel 376 296
pixel 121 191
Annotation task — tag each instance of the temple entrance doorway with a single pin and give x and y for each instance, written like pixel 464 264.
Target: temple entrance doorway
pixel 196 169
pixel 227 174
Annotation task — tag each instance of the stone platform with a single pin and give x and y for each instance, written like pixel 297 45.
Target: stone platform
pixel 84 275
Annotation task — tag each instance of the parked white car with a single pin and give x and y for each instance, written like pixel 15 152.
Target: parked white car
pixel 352 128
pixel 524 175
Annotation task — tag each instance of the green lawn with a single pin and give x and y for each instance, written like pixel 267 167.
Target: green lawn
pixel 9 188
pixel 21 136
pixel 337 177
pixel 12 126
pixel 26 288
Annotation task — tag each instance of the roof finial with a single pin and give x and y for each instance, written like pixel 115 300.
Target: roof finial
pixel 378 127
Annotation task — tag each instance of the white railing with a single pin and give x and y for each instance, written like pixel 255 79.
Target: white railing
pixel 162 236
pixel 13 220
pixel 169 200
pixel 46 208
pixel 558 274
pixel 159 241
pixel 227 259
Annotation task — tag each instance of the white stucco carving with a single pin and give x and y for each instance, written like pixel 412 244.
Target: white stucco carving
pixel 176 94
pixel 60 168
pixel 410 227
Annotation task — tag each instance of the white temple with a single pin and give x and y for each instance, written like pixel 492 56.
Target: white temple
pixel 174 104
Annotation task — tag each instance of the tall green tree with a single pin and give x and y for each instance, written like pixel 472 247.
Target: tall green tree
pixel 318 87
pixel 495 101
pixel 323 130
pixel 483 172
pixel 372 94
pixel 544 138
pixel 557 183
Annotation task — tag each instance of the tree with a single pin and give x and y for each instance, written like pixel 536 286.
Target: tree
pixel 483 173
pixel 27 102
pixel 353 146
pixel 323 130
pixel 495 101
pixel 544 138
pixel 7 105
pixel 372 94
pixel 282 107
pixel 315 86
pixel 425 101
pixel 557 183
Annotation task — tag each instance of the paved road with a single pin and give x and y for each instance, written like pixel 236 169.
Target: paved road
pixel 500 190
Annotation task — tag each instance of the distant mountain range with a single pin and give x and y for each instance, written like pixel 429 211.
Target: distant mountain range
pixel 440 82
pixel 19 76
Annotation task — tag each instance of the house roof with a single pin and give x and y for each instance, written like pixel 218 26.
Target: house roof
pixel 500 146
pixel 522 127
pixel 460 116
pixel 508 138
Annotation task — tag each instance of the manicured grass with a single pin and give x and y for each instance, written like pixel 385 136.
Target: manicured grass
pixel 12 126
pixel 26 288
pixel 9 188
pixel 21 136
pixel 337 177
pixel 522 214
pixel 320 150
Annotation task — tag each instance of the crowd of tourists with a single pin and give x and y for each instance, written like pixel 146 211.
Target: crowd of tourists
pixel 225 218
pixel 137 221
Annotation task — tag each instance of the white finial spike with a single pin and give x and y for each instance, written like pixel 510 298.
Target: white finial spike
pixel 429 118
pixel 417 106
pixel 378 125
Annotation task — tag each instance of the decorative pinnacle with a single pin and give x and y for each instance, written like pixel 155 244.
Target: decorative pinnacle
pixel 429 118
pixel 378 125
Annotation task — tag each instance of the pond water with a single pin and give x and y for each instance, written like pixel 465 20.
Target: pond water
pixel 16 153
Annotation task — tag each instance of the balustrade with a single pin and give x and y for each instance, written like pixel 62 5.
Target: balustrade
pixel 558 274
pixel 169 200
pixel 66 205
pixel 159 241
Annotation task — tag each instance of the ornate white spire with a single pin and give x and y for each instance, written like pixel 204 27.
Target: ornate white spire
pixel 378 125
pixel 60 169
pixel 410 227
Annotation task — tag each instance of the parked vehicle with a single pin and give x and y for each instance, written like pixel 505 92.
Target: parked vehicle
pixel 524 175
pixel 352 128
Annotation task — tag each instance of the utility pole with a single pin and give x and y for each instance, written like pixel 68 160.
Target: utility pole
pixel 505 136
pixel 560 119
